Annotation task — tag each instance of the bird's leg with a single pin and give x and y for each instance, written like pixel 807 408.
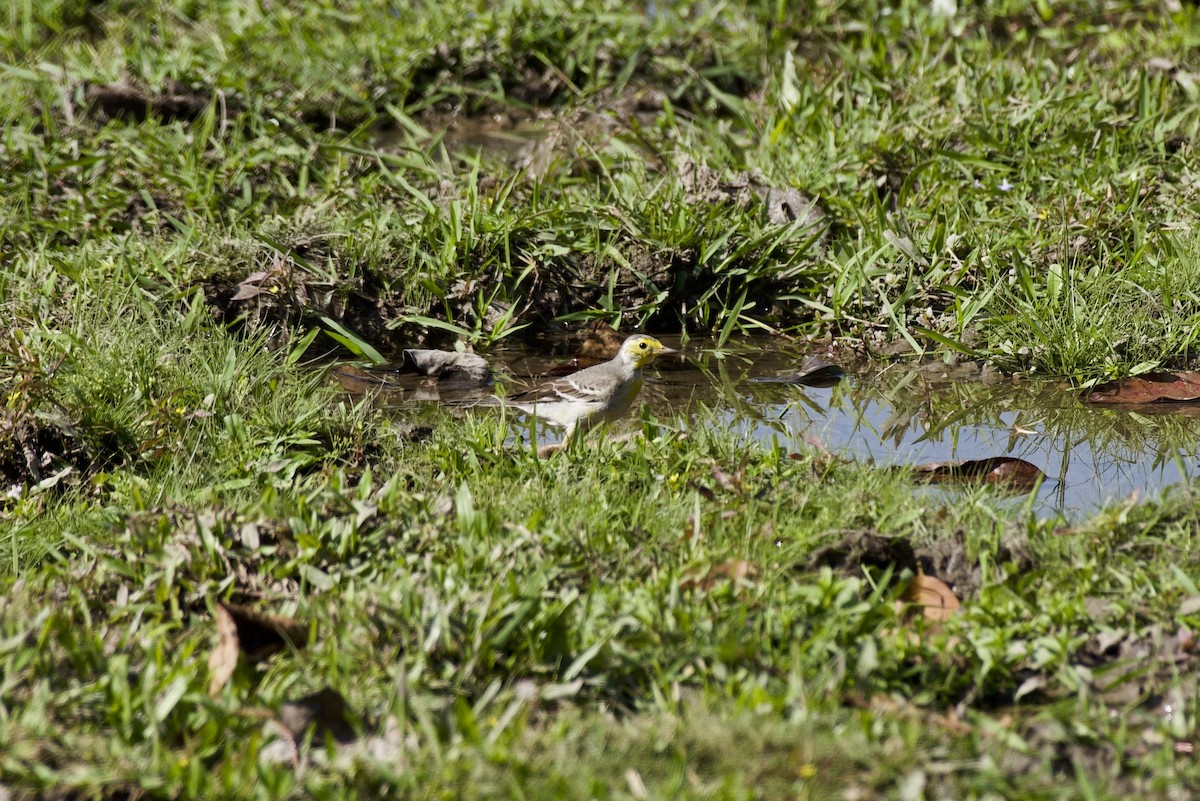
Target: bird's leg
pixel 573 437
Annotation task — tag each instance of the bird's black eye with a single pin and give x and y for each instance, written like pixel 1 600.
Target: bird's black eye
pixel 642 345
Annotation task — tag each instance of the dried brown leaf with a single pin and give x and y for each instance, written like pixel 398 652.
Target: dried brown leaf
pixel 935 599
pixel 730 482
pixel 246 292
pixel 1003 471
pixel 224 658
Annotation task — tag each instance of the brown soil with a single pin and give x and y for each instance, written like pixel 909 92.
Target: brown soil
pixel 33 451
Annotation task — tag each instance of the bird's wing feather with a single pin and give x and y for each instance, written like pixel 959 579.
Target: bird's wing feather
pixel 581 386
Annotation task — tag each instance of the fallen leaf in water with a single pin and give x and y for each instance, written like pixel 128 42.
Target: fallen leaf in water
pixel 1004 471
pixel 814 372
pixel 1149 388
pixel 446 365
pixel 243 632
pixel 934 598
pixel 736 571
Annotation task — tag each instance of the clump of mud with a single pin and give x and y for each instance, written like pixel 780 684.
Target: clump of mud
pixel 946 559
pixel 176 101
pixel 705 186
pixel 865 549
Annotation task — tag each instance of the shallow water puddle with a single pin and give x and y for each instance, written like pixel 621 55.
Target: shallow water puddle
pixel 905 416
pixel 901 416
pixel 1090 456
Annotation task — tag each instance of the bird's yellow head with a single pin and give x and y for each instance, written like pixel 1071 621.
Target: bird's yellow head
pixel 641 349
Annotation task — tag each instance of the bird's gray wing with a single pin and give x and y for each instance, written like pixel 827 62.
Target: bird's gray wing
pixel 586 385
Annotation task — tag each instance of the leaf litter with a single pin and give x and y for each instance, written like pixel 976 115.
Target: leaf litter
pixel 704 185
pixel 859 552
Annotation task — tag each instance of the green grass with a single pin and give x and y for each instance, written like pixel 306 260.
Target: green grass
pixel 971 169
pixel 1015 183
pixel 455 582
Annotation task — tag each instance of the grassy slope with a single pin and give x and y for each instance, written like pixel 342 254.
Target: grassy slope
pixel 985 177
pixel 1001 179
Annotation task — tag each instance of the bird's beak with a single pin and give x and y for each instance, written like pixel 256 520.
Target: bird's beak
pixel 668 350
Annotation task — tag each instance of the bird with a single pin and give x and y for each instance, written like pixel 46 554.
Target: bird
pixel 578 402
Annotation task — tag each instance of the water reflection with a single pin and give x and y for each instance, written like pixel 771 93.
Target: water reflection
pixel 1093 456
pixel 909 415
